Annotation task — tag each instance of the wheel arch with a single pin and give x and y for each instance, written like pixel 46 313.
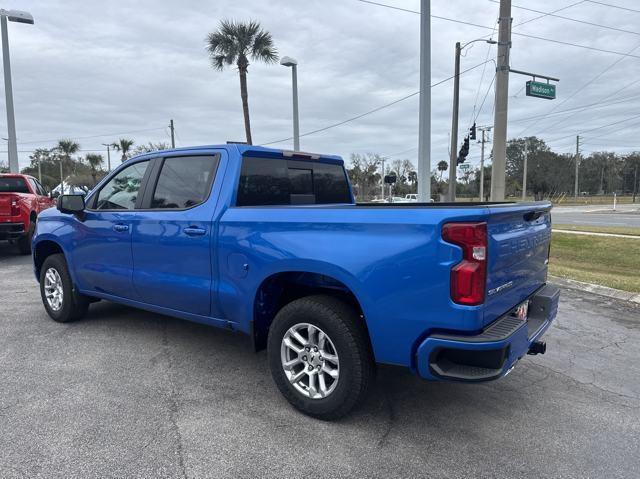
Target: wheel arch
pixel 282 287
pixel 41 251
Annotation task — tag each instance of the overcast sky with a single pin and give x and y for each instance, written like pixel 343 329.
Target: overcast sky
pixel 96 71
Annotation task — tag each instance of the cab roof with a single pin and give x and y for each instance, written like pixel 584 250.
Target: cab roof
pixel 252 150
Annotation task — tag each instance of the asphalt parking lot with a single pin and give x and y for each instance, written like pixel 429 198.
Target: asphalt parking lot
pixel 126 393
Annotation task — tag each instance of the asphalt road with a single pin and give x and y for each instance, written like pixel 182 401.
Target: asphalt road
pixel 625 215
pixel 126 393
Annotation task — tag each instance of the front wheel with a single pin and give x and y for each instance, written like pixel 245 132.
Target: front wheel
pixel 61 301
pixel 319 356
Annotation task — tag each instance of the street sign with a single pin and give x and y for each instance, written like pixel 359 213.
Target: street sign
pixel 464 166
pixel 541 90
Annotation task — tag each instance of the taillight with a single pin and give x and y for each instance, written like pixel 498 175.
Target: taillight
pixel 15 209
pixel 469 276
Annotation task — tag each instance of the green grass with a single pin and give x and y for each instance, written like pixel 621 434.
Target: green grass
pixel 619 230
pixel 612 262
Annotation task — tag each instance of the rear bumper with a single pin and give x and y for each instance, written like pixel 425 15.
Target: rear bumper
pixel 492 353
pixel 10 231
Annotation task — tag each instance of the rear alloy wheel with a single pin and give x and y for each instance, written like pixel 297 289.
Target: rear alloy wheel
pixel 319 356
pixel 310 360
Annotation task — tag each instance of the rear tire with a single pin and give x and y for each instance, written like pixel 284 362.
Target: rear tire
pixel 24 243
pixel 61 301
pixel 336 348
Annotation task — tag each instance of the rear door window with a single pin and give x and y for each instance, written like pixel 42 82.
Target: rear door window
pixel 267 181
pixel 184 182
pixel 13 185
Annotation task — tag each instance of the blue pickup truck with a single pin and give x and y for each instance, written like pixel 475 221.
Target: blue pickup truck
pixel 271 243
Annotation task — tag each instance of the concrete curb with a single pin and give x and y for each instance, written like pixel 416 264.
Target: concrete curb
pixel 596 289
pixel 594 233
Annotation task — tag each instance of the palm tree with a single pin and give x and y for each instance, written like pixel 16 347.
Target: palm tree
pixel 442 167
pixel 66 147
pixel 236 42
pixel 123 145
pixel 95 163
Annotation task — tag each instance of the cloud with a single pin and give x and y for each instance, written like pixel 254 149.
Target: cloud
pixel 89 68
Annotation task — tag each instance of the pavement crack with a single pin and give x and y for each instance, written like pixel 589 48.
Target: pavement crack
pixel 390 421
pixel 600 388
pixel 172 401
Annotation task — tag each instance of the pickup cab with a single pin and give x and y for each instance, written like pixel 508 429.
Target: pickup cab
pixel 270 243
pixel 22 199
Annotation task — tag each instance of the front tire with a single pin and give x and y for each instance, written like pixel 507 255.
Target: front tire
pixel 61 301
pixel 319 356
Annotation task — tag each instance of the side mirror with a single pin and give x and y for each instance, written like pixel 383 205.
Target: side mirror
pixel 71 204
pixel 53 195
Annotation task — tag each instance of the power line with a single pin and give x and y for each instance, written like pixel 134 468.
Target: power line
pixel 357 117
pixel 597 128
pixel 30 142
pixel 475 101
pixel 547 14
pixel 389 6
pixel 485 98
pixel 552 14
pixel 526 35
pixel 598 104
pixel 613 6
pixel 579 90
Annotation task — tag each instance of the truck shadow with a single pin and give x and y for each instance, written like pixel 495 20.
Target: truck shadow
pixel 8 250
pixel 398 400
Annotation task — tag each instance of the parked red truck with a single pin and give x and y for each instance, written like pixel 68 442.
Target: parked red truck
pixel 22 198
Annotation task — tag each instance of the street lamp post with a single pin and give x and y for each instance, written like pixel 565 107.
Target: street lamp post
pixel 293 63
pixel 20 17
pixel 453 158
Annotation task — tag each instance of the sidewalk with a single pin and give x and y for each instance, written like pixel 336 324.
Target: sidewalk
pixel 596 289
pixel 592 233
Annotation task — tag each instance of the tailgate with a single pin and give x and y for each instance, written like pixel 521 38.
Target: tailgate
pixel 518 255
pixel 5 204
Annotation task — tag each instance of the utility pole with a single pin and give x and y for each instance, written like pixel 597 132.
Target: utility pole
pixel 108 145
pixel 484 140
pixel 524 173
pixel 453 157
pixel 635 183
pixel 173 138
pixel 382 178
pixel 484 130
pixel 424 128
pixel 502 102
pixel 61 177
pixel 575 187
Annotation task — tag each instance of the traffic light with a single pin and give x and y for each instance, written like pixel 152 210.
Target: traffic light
pixel 472 131
pixel 464 150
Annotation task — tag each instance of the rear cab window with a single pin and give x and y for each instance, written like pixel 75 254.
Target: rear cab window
pixel 269 181
pixel 13 185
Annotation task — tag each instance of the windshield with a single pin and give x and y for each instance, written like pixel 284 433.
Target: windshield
pixel 13 185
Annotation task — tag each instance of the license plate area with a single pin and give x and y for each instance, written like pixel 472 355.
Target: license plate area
pixel 521 311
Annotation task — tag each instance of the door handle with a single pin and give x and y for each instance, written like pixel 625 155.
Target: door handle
pixel 193 231
pixel 120 228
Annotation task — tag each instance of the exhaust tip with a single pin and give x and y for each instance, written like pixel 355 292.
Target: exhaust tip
pixel 537 347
